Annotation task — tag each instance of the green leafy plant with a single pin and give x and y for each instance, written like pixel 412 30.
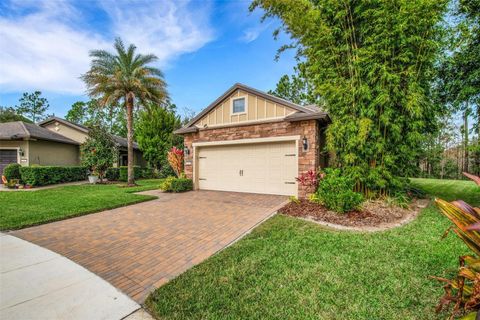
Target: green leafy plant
pixel 173 184
pixel 294 199
pixel 123 173
pixel 12 171
pixel 335 191
pixel 463 290
pixel 112 174
pixel 99 151
pixel 372 64
pixel 40 176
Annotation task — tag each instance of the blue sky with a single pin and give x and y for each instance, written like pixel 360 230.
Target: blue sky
pixel 203 47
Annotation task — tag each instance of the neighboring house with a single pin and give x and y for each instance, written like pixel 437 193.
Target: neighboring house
pixel 250 141
pixel 54 141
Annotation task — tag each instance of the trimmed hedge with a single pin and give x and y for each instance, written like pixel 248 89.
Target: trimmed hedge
pixel 173 184
pixel 41 176
pixel 148 173
pixel 112 174
pixel 123 176
pixel 120 174
pixel 12 171
pixel 182 185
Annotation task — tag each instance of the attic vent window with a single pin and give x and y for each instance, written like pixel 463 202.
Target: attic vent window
pixel 238 105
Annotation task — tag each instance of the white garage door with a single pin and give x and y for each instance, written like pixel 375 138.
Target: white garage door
pixel 258 168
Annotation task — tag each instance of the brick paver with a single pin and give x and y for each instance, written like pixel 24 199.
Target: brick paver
pixel 140 247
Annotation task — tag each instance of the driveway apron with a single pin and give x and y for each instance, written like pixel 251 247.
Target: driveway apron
pixel 138 248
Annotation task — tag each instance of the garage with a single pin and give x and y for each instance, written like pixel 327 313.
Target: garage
pixel 250 141
pixel 7 156
pixel 268 168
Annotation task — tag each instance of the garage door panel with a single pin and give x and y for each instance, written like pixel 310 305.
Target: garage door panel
pixel 7 156
pixel 258 168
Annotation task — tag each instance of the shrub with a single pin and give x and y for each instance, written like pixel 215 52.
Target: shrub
pixel 40 176
pixel 182 185
pixel 175 159
pixel 166 184
pixel 113 174
pixel 12 171
pixel 123 175
pixel 173 184
pixel 335 191
pixel 148 173
pixel 165 170
pixel 309 180
pixel 463 290
pixel 98 151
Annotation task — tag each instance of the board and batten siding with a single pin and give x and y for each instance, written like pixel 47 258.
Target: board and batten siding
pixel 257 109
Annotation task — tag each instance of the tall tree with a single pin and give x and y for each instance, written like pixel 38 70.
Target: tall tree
pixel 296 88
pixel 77 113
pixel 155 134
pixel 91 114
pixel 460 72
pixel 8 114
pixel 33 106
pixel 125 78
pixel 371 61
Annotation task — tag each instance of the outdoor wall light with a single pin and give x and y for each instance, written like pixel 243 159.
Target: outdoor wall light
pixel 186 151
pixel 305 143
pixel 21 152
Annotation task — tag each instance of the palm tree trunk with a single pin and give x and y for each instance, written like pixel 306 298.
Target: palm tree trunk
pixel 129 102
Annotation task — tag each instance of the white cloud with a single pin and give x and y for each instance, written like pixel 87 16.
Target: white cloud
pixel 47 49
pixel 166 28
pixel 252 33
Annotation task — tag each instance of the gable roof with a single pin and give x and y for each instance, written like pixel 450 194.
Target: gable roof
pixel 120 141
pixel 65 122
pixel 313 111
pixel 19 130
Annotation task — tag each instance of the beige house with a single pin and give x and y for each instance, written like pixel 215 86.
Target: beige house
pixel 54 141
pixel 250 141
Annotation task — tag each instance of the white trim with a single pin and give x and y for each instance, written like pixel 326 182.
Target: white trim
pixel 241 123
pixel 245 98
pixel 244 141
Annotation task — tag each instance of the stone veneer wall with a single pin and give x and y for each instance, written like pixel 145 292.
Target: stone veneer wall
pixel 309 159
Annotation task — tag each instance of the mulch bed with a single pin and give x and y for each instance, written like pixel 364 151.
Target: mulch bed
pixel 373 213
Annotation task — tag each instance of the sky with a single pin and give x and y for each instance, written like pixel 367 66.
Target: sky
pixel 203 47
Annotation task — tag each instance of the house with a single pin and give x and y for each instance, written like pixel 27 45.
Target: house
pixel 250 141
pixel 54 142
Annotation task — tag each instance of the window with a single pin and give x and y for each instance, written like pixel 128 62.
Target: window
pixel 238 105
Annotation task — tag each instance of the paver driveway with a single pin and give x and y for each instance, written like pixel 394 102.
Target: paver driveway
pixel 139 247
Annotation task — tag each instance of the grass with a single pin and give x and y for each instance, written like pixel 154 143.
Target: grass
pixel 292 269
pixel 450 190
pixel 21 209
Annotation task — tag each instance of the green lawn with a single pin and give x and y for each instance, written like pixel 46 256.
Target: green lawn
pixel 20 209
pixel 450 189
pixel 292 269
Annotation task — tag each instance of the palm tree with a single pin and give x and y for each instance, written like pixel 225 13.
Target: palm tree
pixel 124 78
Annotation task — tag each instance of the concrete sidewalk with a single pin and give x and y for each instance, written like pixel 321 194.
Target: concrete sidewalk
pixel 36 283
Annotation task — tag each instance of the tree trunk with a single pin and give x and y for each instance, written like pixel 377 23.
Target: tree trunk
pixel 465 139
pixel 477 152
pixel 129 101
